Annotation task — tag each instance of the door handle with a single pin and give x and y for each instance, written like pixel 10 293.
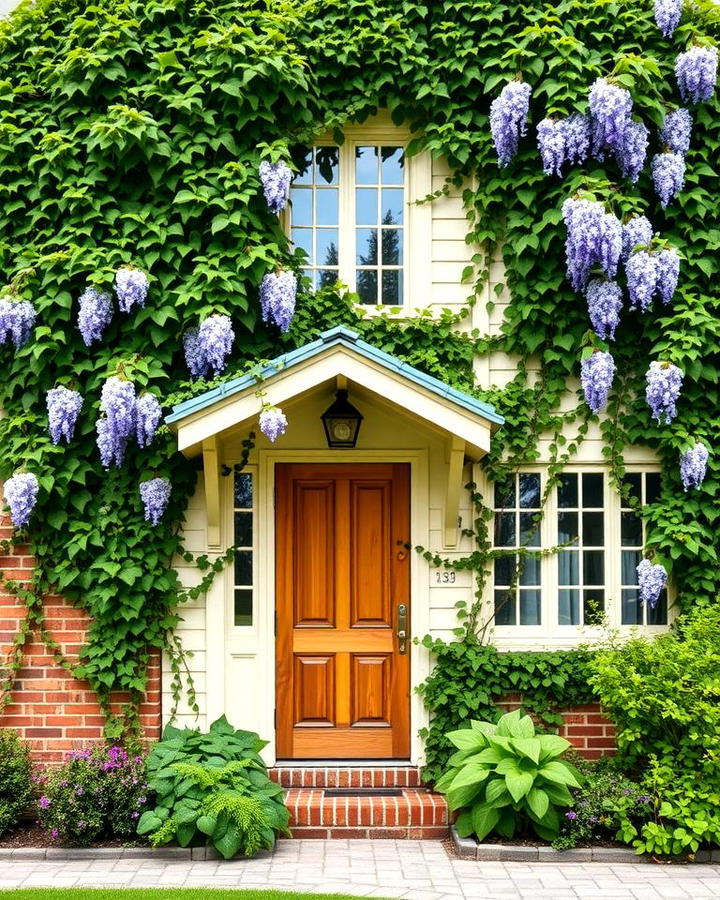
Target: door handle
pixel 402 628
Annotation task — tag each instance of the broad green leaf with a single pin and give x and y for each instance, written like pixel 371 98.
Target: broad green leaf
pixel 229 844
pixel 484 819
pixel 552 745
pixel 558 773
pixel 496 793
pixel 469 775
pixel 528 747
pixel 518 784
pixel 538 801
pixel 467 739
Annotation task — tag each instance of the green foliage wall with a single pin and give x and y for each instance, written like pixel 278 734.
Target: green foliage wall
pixel 130 132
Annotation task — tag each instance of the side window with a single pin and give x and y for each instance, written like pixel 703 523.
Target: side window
pixel 243 529
pixel 581 565
pixel 644 487
pixel 315 214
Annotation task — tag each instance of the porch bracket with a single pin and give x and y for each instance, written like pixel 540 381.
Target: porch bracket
pixel 211 468
pixel 452 494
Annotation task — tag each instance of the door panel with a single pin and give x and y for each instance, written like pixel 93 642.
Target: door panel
pixel 343 687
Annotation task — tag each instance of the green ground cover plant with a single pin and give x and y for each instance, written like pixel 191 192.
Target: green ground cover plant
pixel 16 784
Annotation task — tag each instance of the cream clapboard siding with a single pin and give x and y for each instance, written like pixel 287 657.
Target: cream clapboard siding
pixel 450 254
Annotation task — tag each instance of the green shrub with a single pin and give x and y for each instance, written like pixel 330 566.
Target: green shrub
pixel 663 697
pixel 213 788
pixel 505 777
pixel 16 786
pixel 97 794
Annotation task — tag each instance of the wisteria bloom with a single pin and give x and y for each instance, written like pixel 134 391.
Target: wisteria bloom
pixel 668 173
pixel 551 144
pixel 155 495
pixel 596 375
pixel 508 119
pixel 676 131
pixel 664 382
pixel 21 493
pixel 276 179
pixel 668 273
pixel 118 403
pixel 194 357
pixel 131 288
pixel 693 465
pixel 273 423
pixel 641 271
pixel 577 131
pixel 594 237
pixel 215 339
pixel 696 73
pixel 95 314
pixel 147 418
pixel 63 407
pixel 631 156
pixel 17 320
pixel 277 298
pixel 604 299
pixel 651 581
pixel 667 15
pixel 610 111
pixel 636 232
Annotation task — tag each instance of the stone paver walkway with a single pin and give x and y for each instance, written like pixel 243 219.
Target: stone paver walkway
pixel 414 870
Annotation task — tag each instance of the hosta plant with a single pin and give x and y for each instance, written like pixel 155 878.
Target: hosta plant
pixel 213 788
pixel 504 777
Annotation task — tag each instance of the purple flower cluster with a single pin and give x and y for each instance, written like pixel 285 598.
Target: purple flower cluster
pixel 147 418
pixel 650 273
pixel 275 178
pixel 667 15
pixel 594 237
pixel 668 173
pixel 668 273
pixel 118 403
pixel 563 140
pixel 636 232
pixel 63 407
pixel 610 111
pixel 155 495
pixel 696 73
pixel 21 493
pixel 273 423
pixel 131 287
pixel 208 346
pixel 577 130
pixel 693 465
pixel 651 581
pixel 94 315
pixel 17 319
pixel 596 375
pixel 604 300
pixel 664 382
pixel 277 298
pixel 632 153
pixel 508 119
pixel 676 131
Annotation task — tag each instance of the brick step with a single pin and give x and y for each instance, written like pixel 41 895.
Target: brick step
pixel 415 814
pixel 345 776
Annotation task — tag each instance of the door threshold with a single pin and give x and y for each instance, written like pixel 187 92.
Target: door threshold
pixel 345 763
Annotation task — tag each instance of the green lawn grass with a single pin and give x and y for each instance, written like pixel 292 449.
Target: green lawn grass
pixel 151 893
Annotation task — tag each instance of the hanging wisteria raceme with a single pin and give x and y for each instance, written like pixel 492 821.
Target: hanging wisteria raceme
pixel 610 111
pixel 273 423
pixel 693 465
pixel 551 144
pixel 131 287
pixel 636 232
pixel 668 173
pixel 95 314
pixel 155 495
pixel 63 407
pixel 596 376
pixel 17 319
pixel 577 131
pixel 508 119
pixel 668 273
pixel 21 493
pixel 276 179
pixel 667 15
pixel 194 357
pixel 118 403
pixel 277 298
pixel 664 382
pixel 594 237
pixel 631 156
pixel 676 131
pixel 148 413
pixel 641 271
pixel 215 340
pixel 696 73
pixel 651 581
pixel 604 300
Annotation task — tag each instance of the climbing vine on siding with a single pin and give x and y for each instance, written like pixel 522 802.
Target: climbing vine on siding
pixel 131 134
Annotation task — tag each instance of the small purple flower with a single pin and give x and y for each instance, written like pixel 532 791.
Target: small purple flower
pixel 551 144
pixel 155 495
pixel 79 792
pixel 631 156
pixel 668 173
pixel 131 287
pixel 21 493
pixel 508 119
pixel 636 232
pixel 273 423
pixel 693 465
pixel 676 131
pixel 276 179
pixel 571 815
pixel 604 299
pixel 644 798
pixel 667 15
pixel 277 298
pixel 63 407
pixel 148 414
pixel 577 131
pixel 134 815
pixel 95 314
pixel 664 382
pixel 54 833
pixel 44 802
pixel 641 271
pixel 651 581
pixel 596 376
pixel 610 111
pixel 17 319
pixel 215 340
pixel 668 273
pixel 696 73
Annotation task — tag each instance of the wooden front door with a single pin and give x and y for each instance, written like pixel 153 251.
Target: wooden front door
pixel 342 578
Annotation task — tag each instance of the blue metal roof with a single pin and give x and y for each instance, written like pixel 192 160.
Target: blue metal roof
pixel 335 336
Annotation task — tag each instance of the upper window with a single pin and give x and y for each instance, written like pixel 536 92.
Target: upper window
pixel 348 213
pixel 643 488
pixel 581 566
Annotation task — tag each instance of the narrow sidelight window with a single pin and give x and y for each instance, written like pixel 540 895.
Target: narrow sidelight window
pixel 581 565
pixel 315 214
pixel 644 488
pixel 244 527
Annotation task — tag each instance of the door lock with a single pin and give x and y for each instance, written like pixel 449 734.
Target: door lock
pixel 402 633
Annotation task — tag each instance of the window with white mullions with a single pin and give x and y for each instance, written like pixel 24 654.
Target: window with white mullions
pixel 315 213
pixel 643 488
pixel 518 601
pixel 243 531
pixel 581 565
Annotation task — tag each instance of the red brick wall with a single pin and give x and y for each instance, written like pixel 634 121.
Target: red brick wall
pixel 50 709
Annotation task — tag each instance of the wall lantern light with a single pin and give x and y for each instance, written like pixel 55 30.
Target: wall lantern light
pixel 342 422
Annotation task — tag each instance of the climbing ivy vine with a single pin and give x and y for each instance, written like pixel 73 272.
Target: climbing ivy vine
pixel 131 133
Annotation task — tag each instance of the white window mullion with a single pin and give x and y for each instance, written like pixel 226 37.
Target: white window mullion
pixel 346 256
